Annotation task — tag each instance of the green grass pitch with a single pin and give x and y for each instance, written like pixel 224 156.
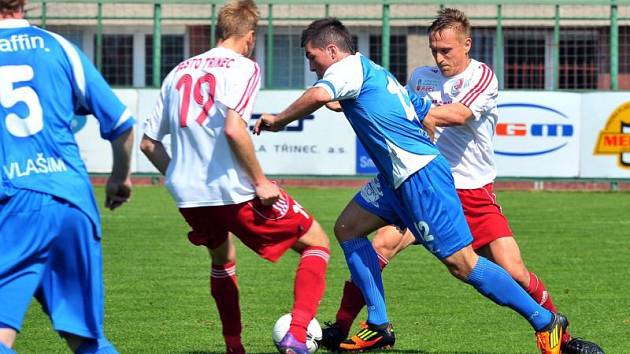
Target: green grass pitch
pixel 158 297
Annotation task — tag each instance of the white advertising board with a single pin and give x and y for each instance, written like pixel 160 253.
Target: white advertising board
pixel 321 144
pixel 146 101
pixel 538 134
pixel 605 135
pixel 96 152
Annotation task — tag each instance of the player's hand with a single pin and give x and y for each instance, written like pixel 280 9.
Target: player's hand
pixel 334 106
pixel 429 126
pixel 117 193
pixel 268 192
pixel 266 122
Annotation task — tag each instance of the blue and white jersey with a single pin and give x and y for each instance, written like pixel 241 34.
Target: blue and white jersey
pixel 44 82
pixel 382 116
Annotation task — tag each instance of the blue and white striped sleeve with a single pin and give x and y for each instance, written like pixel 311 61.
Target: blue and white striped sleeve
pixel 344 79
pixel 421 104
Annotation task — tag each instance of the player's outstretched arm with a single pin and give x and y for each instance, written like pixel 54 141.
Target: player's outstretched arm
pixel 450 114
pixel 241 144
pixel 118 189
pixel 311 100
pixel 155 151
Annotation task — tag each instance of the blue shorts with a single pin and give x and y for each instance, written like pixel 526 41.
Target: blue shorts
pixel 49 250
pixel 426 203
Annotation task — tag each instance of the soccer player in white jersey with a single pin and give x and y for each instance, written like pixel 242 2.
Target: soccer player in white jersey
pixel 217 182
pixel 50 231
pixel 414 187
pixel 463 93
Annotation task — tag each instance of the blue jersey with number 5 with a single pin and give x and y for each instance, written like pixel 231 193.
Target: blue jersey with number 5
pixel 44 82
pixel 382 115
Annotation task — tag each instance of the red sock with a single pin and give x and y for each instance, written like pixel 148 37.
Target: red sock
pixel 537 291
pixel 352 301
pixel 224 290
pixel 308 289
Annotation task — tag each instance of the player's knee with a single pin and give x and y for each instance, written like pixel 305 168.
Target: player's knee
pixel 343 230
pixel 221 258
pixel 461 263
pixel 459 272
pixel 315 237
pixel 388 241
pixel 224 253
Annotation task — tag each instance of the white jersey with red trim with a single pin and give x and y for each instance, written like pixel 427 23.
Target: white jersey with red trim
pixel 193 103
pixel 468 148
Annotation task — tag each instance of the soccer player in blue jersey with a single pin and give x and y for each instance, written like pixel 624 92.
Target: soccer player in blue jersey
pixel 49 223
pixel 415 185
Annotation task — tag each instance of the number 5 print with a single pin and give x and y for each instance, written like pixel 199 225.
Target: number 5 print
pixel 10 96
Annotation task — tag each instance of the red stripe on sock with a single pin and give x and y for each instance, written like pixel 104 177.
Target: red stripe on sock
pixel 537 291
pixel 224 290
pixel 308 289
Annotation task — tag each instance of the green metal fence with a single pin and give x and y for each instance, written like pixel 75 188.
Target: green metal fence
pixel 531 45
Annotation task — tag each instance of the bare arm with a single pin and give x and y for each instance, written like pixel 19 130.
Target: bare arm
pixel 334 106
pixel 243 148
pixel 155 151
pixel 449 114
pixel 311 100
pixel 118 189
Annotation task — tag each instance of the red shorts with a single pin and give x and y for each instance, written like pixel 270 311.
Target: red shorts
pixel 267 230
pixel 483 215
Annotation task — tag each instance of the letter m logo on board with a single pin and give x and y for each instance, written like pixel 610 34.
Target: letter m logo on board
pixel 614 139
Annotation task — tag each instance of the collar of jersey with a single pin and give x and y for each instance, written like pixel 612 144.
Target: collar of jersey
pixel 13 23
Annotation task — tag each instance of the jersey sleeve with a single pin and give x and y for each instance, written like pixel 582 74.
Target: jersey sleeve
pixel 156 125
pixel 482 91
pixel 242 88
pixel 344 79
pixel 421 104
pixel 94 96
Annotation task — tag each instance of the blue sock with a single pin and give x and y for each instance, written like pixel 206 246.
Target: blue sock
pixel 366 274
pixel 6 350
pixel 96 346
pixel 496 284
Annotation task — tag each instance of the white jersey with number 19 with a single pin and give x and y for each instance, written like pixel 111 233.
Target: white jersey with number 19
pixel 193 103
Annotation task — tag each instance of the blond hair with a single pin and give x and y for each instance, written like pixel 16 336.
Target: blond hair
pixel 237 18
pixel 450 18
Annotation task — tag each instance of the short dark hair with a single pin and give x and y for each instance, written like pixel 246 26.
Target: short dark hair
pixel 11 6
pixel 450 18
pixel 328 31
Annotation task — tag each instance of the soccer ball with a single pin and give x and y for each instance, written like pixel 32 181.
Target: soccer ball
pixel 313 332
